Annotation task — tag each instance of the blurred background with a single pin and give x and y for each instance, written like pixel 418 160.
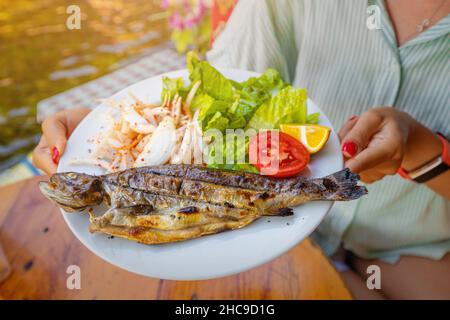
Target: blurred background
pixel 43 64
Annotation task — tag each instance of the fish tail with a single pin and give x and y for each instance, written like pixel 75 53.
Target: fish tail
pixel 340 186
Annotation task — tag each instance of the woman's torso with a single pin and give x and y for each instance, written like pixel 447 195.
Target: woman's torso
pixel 347 68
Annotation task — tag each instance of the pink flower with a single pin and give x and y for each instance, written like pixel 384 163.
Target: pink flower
pixel 165 4
pixel 176 21
pixel 202 7
pixel 187 5
pixel 190 22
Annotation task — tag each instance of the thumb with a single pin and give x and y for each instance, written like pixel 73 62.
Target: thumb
pixel 358 137
pixel 55 131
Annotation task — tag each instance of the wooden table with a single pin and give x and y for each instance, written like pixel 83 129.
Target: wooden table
pixel 40 247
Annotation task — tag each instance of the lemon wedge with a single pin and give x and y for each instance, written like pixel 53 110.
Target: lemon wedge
pixel 313 136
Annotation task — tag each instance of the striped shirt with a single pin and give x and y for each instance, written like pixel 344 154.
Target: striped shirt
pixel 349 67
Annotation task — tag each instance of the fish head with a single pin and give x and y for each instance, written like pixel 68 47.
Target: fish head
pixel 73 191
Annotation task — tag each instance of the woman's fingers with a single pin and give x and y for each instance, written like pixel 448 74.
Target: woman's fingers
pixel 358 137
pixel 365 160
pixel 374 143
pixel 377 173
pixel 74 117
pixel 42 157
pixel 347 127
pixel 55 133
pixel 382 156
pixel 56 129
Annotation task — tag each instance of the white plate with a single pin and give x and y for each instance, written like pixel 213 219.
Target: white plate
pixel 211 256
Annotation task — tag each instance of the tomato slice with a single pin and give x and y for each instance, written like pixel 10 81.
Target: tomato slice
pixel 277 154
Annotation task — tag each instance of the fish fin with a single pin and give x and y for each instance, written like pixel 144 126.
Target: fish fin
pixel 342 186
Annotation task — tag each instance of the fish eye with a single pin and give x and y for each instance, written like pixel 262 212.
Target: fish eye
pixel 72 175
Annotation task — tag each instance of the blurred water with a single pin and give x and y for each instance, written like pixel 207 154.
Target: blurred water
pixel 40 57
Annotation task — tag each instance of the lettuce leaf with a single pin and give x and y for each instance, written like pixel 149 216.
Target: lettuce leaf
pixel 212 114
pixel 238 149
pixel 207 111
pixel 173 86
pixel 213 82
pixel 200 101
pixel 270 80
pixel 247 167
pixel 237 122
pixel 288 106
pixel 241 109
pixel 313 118
pixel 218 121
pixel 254 92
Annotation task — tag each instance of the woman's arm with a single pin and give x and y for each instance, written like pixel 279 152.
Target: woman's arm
pixel 424 146
pixel 382 140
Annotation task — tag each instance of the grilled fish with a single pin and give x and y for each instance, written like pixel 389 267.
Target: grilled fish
pixel 177 202
pixel 76 191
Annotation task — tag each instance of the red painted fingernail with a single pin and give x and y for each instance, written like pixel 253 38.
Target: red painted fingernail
pixel 349 149
pixel 55 155
pixel 352 118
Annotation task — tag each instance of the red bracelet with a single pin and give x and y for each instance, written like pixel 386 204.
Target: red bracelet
pixel 431 169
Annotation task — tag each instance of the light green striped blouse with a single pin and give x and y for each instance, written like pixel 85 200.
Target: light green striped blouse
pixel 327 47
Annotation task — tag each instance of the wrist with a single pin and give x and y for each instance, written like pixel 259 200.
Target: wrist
pixel 422 146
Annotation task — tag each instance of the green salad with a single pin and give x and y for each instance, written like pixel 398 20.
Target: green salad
pixel 262 102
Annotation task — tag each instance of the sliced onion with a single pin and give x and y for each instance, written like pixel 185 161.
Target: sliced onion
pixel 114 143
pixel 135 121
pixel 192 93
pixel 159 148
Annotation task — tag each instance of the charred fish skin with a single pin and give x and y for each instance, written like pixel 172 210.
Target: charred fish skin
pixel 241 190
pixel 183 186
pixel 225 188
pixel 125 197
pixel 243 180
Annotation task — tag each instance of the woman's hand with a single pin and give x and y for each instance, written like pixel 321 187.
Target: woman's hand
pixel 56 130
pixel 382 140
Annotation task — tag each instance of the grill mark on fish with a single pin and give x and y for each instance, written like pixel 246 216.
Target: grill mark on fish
pixel 284 212
pixel 228 205
pixel 190 209
pixel 264 196
pixel 135 231
pixel 140 209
